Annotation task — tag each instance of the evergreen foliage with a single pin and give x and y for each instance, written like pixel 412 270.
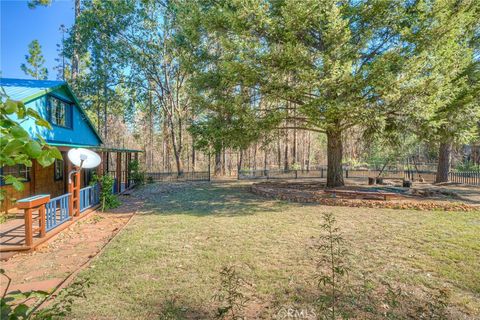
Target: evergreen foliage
pixel 35 62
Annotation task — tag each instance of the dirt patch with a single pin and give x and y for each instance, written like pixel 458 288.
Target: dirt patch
pixel 311 192
pixel 50 264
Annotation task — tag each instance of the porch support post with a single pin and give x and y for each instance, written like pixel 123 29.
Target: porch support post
pixel 28 228
pixel 107 159
pixel 99 170
pixel 70 189
pixel 42 220
pixel 129 159
pixel 70 199
pixel 77 193
pixel 119 171
pixel 33 173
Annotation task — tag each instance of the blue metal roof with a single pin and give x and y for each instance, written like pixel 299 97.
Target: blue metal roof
pixel 28 90
pixel 22 89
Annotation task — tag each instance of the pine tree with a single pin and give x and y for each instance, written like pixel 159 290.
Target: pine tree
pixel 32 4
pixel 35 62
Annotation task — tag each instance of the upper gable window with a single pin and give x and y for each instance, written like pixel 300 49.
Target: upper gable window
pixel 60 112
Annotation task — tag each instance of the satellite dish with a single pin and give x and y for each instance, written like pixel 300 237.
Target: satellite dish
pixel 84 158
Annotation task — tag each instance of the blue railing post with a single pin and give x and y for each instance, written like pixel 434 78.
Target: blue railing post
pixel 57 211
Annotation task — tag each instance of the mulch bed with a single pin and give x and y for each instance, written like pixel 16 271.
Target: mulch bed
pixel 314 193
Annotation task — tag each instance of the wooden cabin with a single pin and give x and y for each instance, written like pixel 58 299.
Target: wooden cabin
pixel 71 128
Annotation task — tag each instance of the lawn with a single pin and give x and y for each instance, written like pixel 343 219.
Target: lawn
pixel 167 261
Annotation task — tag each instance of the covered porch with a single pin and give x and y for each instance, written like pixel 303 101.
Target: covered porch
pixel 27 229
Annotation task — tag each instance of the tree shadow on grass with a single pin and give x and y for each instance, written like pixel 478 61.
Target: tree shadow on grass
pixel 202 199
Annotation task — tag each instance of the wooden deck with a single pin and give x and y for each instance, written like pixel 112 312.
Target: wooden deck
pixel 12 233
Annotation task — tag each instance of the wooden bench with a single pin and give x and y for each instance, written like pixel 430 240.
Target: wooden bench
pixel 363 194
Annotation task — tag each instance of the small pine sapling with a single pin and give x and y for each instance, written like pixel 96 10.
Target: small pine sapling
pixel 232 300
pixel 331 262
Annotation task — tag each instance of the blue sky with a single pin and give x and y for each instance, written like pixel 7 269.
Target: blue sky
pixel 19 25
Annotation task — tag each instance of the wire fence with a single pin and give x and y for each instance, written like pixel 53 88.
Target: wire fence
pixel 468 177
pixel 175 176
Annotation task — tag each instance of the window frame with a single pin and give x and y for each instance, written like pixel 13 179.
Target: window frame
pixel 20 168
pixel 62 170
pixel 68 109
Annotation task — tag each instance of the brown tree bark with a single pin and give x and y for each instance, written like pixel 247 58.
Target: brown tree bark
pixel 279 152
pixel 286 163
pixel 443 167
pixel 224 161
pixel 308 152
pixel 193 155
pixel 240 160
pixel 75 57
pixel 176 144
pixel 334 159
pixel 218 163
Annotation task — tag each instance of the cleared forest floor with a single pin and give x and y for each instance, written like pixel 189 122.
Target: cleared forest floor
pixel 166 263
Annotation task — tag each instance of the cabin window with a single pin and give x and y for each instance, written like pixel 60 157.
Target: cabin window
pixel 58 169
pixel 60 113
pixel 18 171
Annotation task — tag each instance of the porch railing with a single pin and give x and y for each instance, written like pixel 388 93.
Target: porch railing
pixel 89 196
pixel 57 211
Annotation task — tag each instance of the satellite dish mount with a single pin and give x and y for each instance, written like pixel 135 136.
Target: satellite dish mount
pixel 81 159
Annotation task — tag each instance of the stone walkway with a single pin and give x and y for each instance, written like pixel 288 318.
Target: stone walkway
pixel 48 266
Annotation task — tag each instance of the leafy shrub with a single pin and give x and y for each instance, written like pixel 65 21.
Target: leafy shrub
pixel 16 144
pixel 467 166
pixel 137 175
pixel 19 305
pixel 108 199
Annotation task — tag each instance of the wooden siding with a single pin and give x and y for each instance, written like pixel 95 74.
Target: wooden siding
pixel 41 182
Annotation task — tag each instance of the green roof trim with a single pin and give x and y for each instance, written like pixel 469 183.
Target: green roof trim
pixel 42 93
pixel 119 150
pixel 72 145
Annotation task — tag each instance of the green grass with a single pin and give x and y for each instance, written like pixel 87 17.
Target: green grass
pixel 168 259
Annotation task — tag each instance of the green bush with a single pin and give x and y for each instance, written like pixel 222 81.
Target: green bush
pixel 137 175
pixel 467 166
pixel 108 200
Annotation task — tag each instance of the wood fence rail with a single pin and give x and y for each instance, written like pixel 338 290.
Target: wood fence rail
pixel 466 177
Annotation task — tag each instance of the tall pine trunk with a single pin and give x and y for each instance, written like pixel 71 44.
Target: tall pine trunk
pixel 218 163
pixel 75 56
pixel 279 152
pixel 286 163
pixel 176 145
pixel 444 154
pixel 334 159
pixel 240 161
pixel 193 155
